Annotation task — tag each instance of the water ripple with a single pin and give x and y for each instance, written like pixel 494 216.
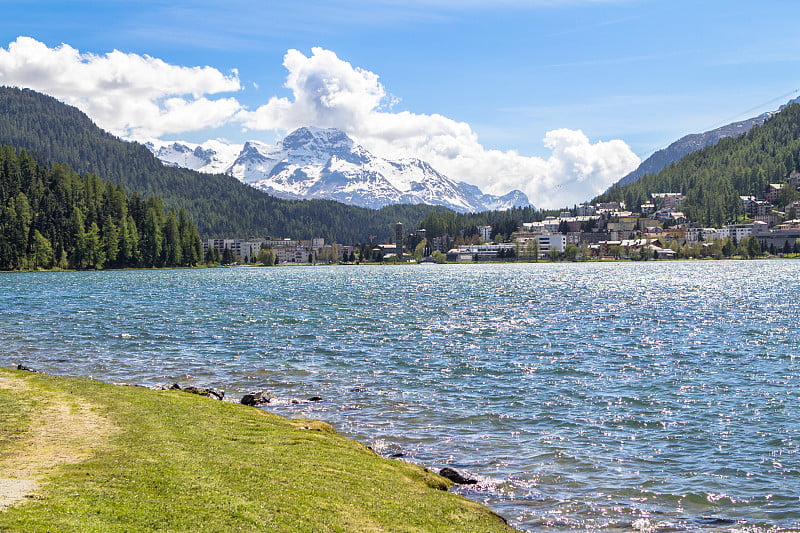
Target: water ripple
pixel 611 397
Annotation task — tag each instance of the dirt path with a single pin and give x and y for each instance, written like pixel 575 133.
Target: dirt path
pixel 67 430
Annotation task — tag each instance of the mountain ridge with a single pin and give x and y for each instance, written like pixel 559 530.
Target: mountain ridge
pixel 220 206
pixel 692 142
pixel 325 163
pixel 713 179
pixel 688 144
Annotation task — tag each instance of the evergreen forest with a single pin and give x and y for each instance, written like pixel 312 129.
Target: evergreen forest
pixel 503 223
pixel 54 218
pixel 220 205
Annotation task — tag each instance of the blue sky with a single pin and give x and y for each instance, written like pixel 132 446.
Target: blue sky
pixel 498 75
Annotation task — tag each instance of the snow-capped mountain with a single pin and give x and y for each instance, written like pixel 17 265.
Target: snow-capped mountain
pixel 212 157
pixel 515 198
pixel 326 163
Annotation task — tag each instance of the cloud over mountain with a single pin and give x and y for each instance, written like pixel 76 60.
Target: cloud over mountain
pixel 330 92
pixel 143 97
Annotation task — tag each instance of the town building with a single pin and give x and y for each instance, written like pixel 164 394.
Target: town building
pixel 554 241
pixel 286 250
pixel 485 233
pixel 647 209
pixel 772 191
pixel 737 232
pixel 482 252
pixel 609 207
pixel 443 243
pixel 398 239
pixel 702 234
pixel 668 200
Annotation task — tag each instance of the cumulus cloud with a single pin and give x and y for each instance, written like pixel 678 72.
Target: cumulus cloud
pixel 330 92
pixel 142 97
pixel 128 94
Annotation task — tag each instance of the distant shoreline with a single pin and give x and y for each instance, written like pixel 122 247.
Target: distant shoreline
pixel 409 263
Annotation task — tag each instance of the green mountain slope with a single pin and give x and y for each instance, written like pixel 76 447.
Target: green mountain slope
pixel 219 205
pixel 713 178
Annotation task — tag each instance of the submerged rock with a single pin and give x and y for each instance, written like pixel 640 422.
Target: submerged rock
pixel 315 399
pixel 456 477
pixel 248 399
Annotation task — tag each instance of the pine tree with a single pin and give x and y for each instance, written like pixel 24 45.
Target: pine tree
pixel 152 239
pixel 41 251
pixel 95 257
pixel 79 254
pixel 110 240
pixel 172 254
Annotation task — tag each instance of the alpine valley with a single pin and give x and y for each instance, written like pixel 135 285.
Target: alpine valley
pixel 327 164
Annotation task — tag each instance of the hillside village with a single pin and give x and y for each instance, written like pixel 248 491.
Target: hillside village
pixel 656 230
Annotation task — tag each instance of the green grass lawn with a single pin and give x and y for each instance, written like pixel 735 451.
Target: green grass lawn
pixel 15 415
pixel 181 462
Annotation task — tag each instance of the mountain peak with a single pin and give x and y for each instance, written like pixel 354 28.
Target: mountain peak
pixel 314 162
pixel 317 139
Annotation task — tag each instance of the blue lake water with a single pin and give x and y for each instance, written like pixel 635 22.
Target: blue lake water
pixel 658 396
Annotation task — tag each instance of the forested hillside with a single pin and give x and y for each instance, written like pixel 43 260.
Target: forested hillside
pixel 52 217
pixel 219 205
pixel 713 178
pixel 691 143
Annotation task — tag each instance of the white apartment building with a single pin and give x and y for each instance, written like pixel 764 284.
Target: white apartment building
pixel 286 250
pixel 702 234
pixel 555 241
pixel 740 231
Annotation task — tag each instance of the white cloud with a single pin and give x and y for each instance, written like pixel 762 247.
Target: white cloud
pixel 329 92
pixel 143 97
pixel 128 94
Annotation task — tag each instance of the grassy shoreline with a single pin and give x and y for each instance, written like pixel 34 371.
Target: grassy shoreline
pixel 117 458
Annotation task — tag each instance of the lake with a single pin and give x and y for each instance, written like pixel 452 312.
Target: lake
pixel 656 396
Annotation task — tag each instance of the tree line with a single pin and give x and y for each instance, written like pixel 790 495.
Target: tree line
pixel 220 205
pixel 55 218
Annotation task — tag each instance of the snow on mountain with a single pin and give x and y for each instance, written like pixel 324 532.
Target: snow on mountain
pixel 255 162
pixel 515 198
pixel 326 163
pixel 211 157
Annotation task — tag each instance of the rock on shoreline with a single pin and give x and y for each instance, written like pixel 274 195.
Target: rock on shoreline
pixel 208 392
pixel 456 477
